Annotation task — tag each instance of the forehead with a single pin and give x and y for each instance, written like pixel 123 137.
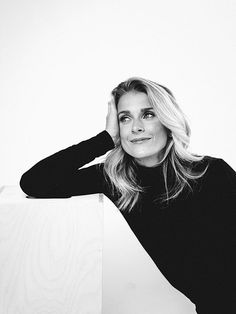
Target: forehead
pixel 133 101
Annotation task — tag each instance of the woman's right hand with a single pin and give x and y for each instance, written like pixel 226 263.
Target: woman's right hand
pixel 112 125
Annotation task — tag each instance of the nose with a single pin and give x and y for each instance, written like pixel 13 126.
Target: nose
pixel 137 127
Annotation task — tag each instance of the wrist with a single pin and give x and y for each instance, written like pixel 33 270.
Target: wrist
pixel 114 137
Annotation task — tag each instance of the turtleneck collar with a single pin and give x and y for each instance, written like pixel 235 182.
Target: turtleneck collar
pixel 146 169
pixel 149 175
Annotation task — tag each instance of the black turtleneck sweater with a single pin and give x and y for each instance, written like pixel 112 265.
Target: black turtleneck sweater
pixel 192 240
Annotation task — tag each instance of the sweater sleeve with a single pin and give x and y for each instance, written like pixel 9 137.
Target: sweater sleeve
pixel 59 175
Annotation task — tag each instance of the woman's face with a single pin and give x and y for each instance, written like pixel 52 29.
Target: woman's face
pixel 142 134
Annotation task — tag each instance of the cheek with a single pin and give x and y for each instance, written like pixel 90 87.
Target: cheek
pixel 158 130
pixel 123 132
pixel 160 135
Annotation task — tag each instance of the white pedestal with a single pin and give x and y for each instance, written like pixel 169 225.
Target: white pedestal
pixel 50 254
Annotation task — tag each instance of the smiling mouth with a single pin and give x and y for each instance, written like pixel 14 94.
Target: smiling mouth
pixel 140 140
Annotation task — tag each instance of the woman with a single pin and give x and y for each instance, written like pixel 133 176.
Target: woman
pixel 180 206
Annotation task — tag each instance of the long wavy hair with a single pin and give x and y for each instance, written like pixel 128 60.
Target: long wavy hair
pixel 120 168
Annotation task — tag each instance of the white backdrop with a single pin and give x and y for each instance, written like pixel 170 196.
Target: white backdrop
pixel 60 60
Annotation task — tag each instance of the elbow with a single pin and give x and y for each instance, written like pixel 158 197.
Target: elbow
pixel 27 186
pixel 30 186
pixel 35 188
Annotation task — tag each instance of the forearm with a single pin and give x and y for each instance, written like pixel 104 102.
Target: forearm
pixel 51 171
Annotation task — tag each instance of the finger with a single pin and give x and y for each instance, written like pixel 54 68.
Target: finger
pixel 113 106
pixel 109 107
pixel 112 99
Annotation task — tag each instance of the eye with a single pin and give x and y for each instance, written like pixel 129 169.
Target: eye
pixel 149 114
pixel 124 119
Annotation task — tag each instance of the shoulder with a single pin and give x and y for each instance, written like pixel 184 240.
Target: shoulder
pixel 214 164
pixel 207 161
pixel 219 175
pixel 219 167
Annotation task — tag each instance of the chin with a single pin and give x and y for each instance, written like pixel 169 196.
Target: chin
pixel 139 155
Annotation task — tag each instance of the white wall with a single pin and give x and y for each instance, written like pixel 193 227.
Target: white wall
pixel 60 60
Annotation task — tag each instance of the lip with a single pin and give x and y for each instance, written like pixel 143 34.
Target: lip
pixel 140 140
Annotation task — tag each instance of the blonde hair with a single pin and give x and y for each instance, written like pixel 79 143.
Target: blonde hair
pixel 120 168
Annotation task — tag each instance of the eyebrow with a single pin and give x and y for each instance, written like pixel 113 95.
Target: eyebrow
pixel 142 110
